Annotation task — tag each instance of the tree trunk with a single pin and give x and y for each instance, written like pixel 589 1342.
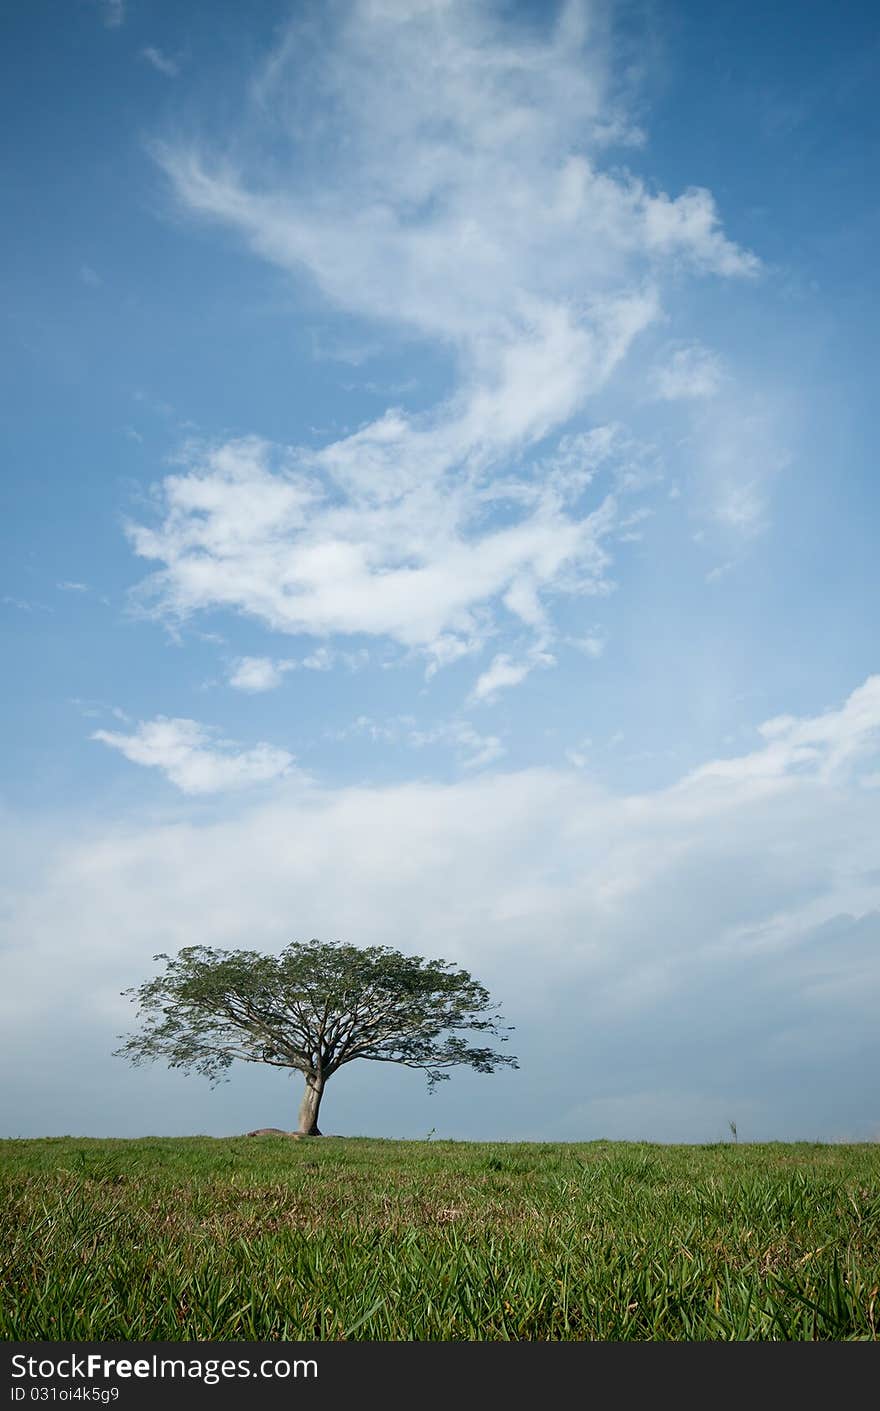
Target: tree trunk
pixel 308 1110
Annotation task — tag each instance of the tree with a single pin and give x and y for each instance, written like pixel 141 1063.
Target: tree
pixel 314 1007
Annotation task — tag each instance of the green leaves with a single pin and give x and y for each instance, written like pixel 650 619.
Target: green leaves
pixel 316 1006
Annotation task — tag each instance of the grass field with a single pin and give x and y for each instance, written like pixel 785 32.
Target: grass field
pixel 332 1238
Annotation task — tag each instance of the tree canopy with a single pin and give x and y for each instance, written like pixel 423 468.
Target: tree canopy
pixel 314 1007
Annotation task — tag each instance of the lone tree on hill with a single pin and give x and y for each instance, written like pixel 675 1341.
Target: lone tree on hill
pixel 314 1007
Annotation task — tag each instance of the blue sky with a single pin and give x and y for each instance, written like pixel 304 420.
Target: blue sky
pixel 440 511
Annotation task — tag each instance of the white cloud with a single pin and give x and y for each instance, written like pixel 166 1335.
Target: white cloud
pixel 265 673
pixel 114 13
pixel 447 648
pixel 192 758
pixel 593 645
pixel 161 62
pixel 500 232
pixel 24 604
pixel 255 674
pixel 94 709
pixel 319 660
pixel 736 449
pixel 729 922
pixel 264 531
pixel 67 586
pixel 473 750
pixel 495 216
pixel 504 672
pixel 824 746
pixel 691 373
pixel 579 755
pixel 385 731
pixel 90 277
pixel 720 571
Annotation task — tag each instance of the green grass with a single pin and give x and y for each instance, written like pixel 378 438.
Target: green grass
pixel 332 1238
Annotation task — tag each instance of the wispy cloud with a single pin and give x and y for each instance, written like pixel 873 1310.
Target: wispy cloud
pixel 720 571
pixel 825 747
pixel 502 232
pixel 161 62
pixel 579 755
pixel 593 645
pixel 94 709
pixel 113 13
pixel 262 530
pixel 738 910
pixel 504 671
pixel 321 659
pixel 690 373
pixel 476 750
pixel 737 448
pixel 256 674
pixel 473 749
pixel 24 604
pixel 194 758
pixel 68 586
pixel 90 277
